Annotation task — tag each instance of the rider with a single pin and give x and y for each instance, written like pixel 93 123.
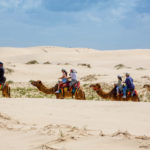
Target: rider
pixel 119 84
pixel 2 71
pixel 129 85
pixel 73 76
pixel 63 78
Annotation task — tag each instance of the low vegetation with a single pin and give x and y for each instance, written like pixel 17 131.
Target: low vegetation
pixel 140 68
pixel 67 63
pixel 25 90
pixel 63 63
pixel 10 82
pixel 47 63
pixel 146 77
pixel 9 70
pixel 32 62
pixel 85 65
pixel 91 77
pixel 121 66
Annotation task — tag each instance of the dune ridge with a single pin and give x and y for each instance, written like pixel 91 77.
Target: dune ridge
pixel 31 120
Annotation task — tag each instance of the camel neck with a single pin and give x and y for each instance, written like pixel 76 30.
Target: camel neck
pixel 46 90
pixel 102 93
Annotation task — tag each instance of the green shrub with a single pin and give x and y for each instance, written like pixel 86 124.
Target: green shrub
pixel 32 62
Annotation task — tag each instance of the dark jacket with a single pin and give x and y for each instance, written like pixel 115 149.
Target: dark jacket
pixel 2 78
pixel 129 83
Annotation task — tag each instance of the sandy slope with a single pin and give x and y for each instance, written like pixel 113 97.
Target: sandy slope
pixel 102 63
pixel 48 124
pixel 70 125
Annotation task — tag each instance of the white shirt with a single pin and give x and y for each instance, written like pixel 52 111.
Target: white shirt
pixel 73 76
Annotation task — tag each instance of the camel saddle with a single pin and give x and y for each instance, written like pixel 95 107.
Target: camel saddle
pixel 128 93
pixel 65 87
pixel 76 85
pixel 1 86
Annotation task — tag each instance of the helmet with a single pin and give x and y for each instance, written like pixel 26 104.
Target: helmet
pixel 73 70
pixel 119 76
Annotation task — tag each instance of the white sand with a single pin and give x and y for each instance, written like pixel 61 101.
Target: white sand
pixel 36 122
pixel 102 63
pixel 48 124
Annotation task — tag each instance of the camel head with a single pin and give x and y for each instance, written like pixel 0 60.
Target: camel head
pixel 37 83
pixel 146 86
pixel 95 87
pixel 43 88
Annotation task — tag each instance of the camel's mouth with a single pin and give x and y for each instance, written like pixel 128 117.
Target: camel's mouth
pixel 33 83
pixel 146 86
pixel 93 87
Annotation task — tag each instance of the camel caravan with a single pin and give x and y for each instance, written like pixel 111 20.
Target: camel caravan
pixel 69 87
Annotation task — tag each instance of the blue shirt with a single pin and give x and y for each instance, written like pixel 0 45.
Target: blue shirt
pixel 129 83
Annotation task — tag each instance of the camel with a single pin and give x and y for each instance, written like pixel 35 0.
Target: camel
pixel 147 86
pixel 5 90
pixel 79 94
pixel 112 94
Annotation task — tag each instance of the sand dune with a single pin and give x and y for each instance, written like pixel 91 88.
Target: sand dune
pixel 102 62
pixel 50 124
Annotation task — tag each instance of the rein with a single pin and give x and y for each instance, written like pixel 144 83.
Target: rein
pixel 96 89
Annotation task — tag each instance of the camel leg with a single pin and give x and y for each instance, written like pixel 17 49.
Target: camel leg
pixel 9 91
pixel 6 91
pixel 80 95
pixel 59 96
pixel 3 94
pixel 136 99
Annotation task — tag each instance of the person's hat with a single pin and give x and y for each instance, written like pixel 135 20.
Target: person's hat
pixel 119 76
pixel 73 70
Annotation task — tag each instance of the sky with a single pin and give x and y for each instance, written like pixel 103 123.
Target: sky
pixel 98 24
